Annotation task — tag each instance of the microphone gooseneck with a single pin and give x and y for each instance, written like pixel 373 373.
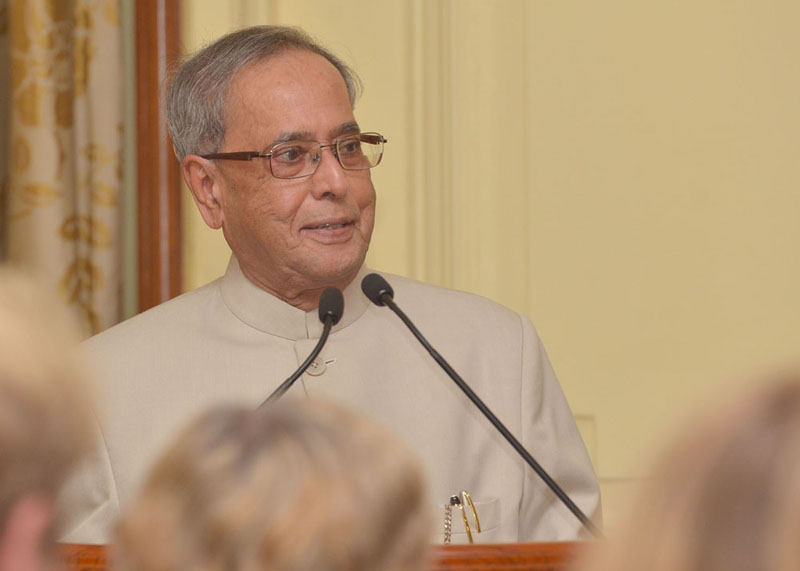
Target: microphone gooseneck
pixel 331 308
pixel 379 292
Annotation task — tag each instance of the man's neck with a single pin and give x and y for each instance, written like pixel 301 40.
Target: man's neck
pixel 304 297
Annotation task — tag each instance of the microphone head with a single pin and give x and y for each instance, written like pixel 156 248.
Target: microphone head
pixel 331 305
pixel 375 287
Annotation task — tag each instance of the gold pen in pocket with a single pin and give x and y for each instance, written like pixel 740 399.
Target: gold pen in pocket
pixel 460 500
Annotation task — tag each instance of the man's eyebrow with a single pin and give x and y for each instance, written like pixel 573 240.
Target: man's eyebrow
pixel 292 136
pixel 343 129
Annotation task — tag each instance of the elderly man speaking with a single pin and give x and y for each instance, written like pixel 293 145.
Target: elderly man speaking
pixel 263 125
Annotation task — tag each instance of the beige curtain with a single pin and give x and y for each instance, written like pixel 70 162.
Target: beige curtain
pixel 62 177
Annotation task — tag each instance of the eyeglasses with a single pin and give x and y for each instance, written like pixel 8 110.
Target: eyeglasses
pixel 296 159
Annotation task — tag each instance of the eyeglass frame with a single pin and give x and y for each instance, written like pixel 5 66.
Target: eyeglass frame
pixel 333 145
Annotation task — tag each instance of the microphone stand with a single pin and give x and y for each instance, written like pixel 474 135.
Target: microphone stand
pixel 331 307
pixel 385 298
pixel 284 386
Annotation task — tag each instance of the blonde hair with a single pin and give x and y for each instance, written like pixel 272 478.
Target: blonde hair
pixel 294 485
pixel 724 496
pixel 45 415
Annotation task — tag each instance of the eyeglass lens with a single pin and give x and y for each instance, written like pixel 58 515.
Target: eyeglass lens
pixel 295 159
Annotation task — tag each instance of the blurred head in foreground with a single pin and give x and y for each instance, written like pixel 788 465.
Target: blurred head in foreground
pixel 724 497
pixel 45 419
pixel 298 484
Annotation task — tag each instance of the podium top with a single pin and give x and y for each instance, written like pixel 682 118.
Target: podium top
pixel 555 556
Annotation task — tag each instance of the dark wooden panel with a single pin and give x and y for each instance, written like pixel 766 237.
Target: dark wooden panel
pixel 159 186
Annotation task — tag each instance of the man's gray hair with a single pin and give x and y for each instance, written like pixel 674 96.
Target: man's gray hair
pixel 198 89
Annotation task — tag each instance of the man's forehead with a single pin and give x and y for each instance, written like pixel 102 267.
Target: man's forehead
pixel 277 84
pixel 270 104
pixel 269 71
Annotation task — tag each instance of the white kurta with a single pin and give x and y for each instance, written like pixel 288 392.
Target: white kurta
pixel 230 341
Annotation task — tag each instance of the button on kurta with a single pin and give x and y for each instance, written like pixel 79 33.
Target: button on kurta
pixel 317 367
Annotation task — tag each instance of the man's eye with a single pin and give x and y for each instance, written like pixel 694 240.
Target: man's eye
pixel 350 146
pixel 289 154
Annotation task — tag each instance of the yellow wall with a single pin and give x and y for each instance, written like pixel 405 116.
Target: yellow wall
pixel 624 172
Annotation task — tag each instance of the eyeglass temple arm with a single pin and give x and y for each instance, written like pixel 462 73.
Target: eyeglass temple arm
pixel 373 138
pixel 239 156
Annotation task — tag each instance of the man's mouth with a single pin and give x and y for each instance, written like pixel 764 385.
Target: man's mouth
pixel 328 226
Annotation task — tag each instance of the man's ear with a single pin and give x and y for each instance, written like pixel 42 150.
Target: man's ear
pixel 205 182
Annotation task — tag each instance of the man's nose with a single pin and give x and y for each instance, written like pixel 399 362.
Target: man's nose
pixel 330 178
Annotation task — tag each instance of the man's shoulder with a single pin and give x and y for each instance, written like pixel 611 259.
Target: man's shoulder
pixel 161 321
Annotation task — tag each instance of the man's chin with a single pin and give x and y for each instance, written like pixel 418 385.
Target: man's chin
pixel 337 273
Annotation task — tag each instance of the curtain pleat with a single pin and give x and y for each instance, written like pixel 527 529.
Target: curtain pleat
pixel 63 174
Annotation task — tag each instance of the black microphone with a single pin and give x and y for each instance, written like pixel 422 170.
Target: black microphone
pixel 379 292
pixel 331 307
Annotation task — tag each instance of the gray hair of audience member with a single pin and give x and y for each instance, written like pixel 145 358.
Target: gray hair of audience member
pixel 45 409
pixel 724 497
pixel 197 91
pixel 299 484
